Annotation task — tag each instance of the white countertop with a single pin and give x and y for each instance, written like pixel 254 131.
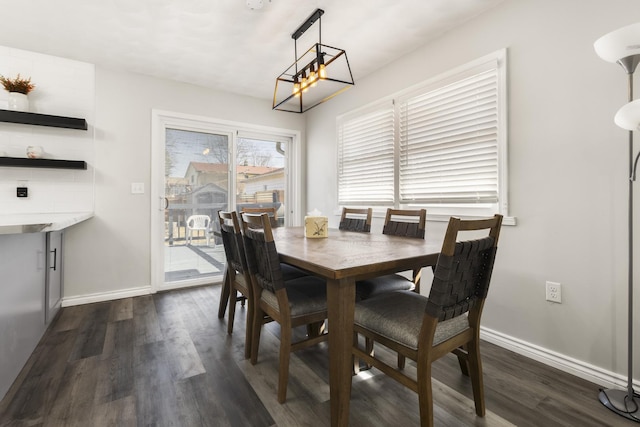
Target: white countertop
pixel 41 222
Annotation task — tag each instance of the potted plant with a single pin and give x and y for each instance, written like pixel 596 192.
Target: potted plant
pixel 18 89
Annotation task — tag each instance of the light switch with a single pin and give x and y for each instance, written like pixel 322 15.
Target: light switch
pixel 137 188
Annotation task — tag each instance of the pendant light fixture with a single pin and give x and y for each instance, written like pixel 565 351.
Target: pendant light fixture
pixel 318 75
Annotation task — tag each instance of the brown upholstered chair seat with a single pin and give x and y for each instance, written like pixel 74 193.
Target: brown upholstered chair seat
pixel 379 285
pixel 306 295
pixel 289 272
pixel 398 317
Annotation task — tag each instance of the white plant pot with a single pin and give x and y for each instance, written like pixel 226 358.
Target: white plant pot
pixel 18 101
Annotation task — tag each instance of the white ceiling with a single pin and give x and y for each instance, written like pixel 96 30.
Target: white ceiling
pixel 223 44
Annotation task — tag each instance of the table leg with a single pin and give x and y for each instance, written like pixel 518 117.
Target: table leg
pixel 341 305
pixel 224 294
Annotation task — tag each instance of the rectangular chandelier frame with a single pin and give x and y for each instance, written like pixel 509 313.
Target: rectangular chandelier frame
pixel 318 75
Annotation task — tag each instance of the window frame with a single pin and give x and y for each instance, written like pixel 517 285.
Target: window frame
pixel 442 211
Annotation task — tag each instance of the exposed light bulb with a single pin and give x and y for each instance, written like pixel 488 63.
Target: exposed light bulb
pixel 313 77
pixel 296 88
pixel 322 71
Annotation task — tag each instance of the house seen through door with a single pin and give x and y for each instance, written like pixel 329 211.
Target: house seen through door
pixel 200 180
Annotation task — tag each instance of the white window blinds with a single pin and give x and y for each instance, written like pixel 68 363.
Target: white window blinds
pixel 366 157
pixel 441 145
pixel 449 141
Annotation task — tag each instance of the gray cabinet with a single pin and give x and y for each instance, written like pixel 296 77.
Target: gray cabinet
pixel 22 307
pixel 53 285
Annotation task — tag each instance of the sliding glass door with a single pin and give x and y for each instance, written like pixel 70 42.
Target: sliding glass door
pixel 260 175
pixel 200 167
pixel 196 187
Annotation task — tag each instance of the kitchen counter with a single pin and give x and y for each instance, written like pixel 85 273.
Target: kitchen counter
pixel 40 223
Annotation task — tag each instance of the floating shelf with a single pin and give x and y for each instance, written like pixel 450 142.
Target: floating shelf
pixel 20 162
pixel 42 120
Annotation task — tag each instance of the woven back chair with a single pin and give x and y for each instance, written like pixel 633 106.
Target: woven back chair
pixel 425 329
pixel 237 273
pixel 291 303
pixel 406 223
pixel 354 219
pixel 271 211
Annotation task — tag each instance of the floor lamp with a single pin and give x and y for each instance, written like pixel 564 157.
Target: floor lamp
pixel 622 46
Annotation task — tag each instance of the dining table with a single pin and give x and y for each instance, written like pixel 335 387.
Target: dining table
pixel 343 258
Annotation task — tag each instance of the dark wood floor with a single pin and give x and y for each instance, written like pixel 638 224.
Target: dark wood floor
pixel 166 360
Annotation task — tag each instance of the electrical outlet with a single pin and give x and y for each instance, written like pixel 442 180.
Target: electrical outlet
pixel 554 292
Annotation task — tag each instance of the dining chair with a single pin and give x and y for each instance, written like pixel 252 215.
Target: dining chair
pixel 291 303
pixel 237 273
pixel 198 223
pixel 398 222
pixel 271 211
pixel 355 219
pixel 425 329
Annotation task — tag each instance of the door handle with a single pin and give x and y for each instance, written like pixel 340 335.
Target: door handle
pixel 164 203
pixel 55 259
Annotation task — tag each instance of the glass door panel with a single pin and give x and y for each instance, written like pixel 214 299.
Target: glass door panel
pixel 260 172
pixel 196 187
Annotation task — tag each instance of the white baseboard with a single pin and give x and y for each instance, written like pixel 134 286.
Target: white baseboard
pixel 189 283
pixel 106 296
pixel 559 361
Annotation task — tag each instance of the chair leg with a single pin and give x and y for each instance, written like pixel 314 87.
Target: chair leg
pixel 248 330
pixel 401 361
pixel 233 298
pixel 283 369
pixel 464 361
pixel 475 370
pixel 315 329
pixel 356 361
pixel 425 394
pixel 224 294
pixel 256 329
pixel 369 348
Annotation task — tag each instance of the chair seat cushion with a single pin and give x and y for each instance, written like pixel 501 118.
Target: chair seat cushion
pixel 289 272
pixel 370 288
pixel 398 317
pixel 307 295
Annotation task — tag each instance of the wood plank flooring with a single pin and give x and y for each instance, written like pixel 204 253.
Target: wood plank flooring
pixel 166 360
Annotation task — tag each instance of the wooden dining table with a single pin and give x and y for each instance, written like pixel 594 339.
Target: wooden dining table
pixel 341 259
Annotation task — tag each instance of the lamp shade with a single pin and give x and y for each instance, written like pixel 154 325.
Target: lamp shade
pixel 619 44
pixel 628 117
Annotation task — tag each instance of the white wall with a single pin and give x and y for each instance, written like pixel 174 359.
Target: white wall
pixel 111 252
pixel 63 87
pixel 567 174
